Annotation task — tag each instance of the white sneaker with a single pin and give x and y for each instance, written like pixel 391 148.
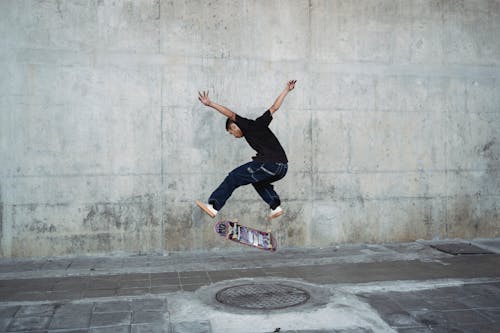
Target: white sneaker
pixel 208 208
pixel 278 211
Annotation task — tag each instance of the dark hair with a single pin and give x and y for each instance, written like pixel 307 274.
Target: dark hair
pixel 228 123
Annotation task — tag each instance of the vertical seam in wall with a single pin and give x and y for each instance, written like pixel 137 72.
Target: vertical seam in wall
pixel 159 26
pixel 311 119
pixel 162 177
pixel 349 147
pixel 7 231
pixel 446 138
pixel 161 131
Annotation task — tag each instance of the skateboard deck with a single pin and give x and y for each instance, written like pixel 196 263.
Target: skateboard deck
pixel 233 231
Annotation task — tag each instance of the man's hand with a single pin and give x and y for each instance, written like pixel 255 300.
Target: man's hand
pixel 203 97
pixel 290 85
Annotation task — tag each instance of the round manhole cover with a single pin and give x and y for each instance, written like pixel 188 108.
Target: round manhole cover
pixel 262 296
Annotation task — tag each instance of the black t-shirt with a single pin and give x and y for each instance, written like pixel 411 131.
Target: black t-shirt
pixel 262 139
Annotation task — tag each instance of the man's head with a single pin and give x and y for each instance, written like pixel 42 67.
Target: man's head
pixel 233 129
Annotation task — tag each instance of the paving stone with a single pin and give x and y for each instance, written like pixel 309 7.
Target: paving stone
pixel 448 303
pixel 195 280
pixel 74 308
pixel 107 277
pixel 447 318
pixel 67 322
pixel 110 329
pixel 413 301
pixel 400 319
pixel 188 274
pixel 149 304
pixel 192 287
pixel 44 310
pixel 165 276
pixel 389 310
pixel 446 292
pixel 135 284
pixel 165 289
pixel 165 281
pixel 27 296
pixel 250 272
pixel 192 327
pixel 8 311
pixel 62 295
pixel 482 328
pixel 495 285
pixel 4 323
pixel 99 293
pixel 149 328
pixel 492 314
pixel 72 316
pixel 103 284
pixel 108 264
pixel 72 284
pixel 80 264
pixel 409 301
pixel 19 266
pixel 349 330
pixel 135 277
pixel 494 244
pixel 437 308
pixel 60 264
pixel 482 301
pixel 218 276
pixel 451 329
pixel 414 330
pixel 110 319
pixel 140 317
pixel 112 306
pixel 132 292
pixel 37 284
pixel 28 324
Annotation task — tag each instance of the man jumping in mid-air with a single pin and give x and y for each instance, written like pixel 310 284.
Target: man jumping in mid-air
pixel 269 165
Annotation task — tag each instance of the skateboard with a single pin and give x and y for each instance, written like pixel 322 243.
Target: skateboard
pixel 233 231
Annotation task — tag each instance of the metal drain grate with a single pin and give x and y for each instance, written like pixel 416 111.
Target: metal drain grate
pixel 460 248
pixel 262 296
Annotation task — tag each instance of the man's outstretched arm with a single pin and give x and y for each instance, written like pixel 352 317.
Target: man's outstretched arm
pixel 203 97
pixel 279 100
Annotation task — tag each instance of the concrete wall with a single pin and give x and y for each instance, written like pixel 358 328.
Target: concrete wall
pixel 393 131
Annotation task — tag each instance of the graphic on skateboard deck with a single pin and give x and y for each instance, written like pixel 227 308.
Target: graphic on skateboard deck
pixel 238 233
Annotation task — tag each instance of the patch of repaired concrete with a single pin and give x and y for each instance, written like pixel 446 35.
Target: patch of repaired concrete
pixel 324 310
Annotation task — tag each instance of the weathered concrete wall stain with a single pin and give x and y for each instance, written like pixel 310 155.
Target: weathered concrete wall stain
pixel 392 132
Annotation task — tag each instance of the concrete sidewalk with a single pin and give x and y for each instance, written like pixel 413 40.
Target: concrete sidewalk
pixel 354 288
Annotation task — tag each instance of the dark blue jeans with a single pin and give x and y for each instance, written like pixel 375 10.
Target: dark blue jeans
pixel 259 174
